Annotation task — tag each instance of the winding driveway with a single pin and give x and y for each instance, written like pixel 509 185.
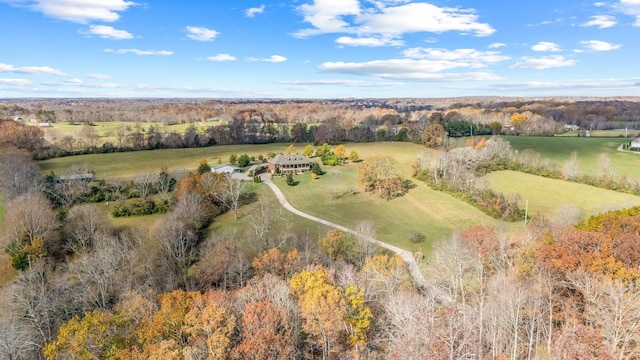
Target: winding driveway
pixel 438 295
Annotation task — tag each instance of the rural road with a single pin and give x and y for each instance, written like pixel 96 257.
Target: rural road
pixel 438 295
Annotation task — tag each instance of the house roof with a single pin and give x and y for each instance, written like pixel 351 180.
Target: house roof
pixel 224 166
pixel 289 159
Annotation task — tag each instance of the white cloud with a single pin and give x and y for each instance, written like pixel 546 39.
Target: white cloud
pixel 545 62
pixel 630 7
pixel 251 12
pixel 16 82
pixel 98 76
pixel 139 52
pixel 601 21
pixel 575 84
pixel 388 18
pixel 275 59
pixel 44 70
pixel 408 69
pixel 108 32
pixel 222 57
pixel 545 46
pixel 496 45
pixel 597 45
pixel 326 16
pixel 423 17
pixel 74 82
pixel 199 33
pixel 474 58
pixel 368 41
pixel 80 11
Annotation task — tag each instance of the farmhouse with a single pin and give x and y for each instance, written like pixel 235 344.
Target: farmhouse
pixel 635 144
pixel 289 163
pixel 226 169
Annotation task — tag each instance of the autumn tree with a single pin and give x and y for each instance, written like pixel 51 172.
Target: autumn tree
pixel 323 310
pixel 379 175
pixel 290 149
pixel 337 245
pixel 30 229
pixel 97 334
pixel 266 333
pixel 434 136
pixel 308 150
pixel 353 156
pixel 341 152
pixel 518 120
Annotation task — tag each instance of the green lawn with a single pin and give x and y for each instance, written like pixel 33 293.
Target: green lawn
pixel 589 150
pixel 545 195
pixel 127 165
pixel 426 211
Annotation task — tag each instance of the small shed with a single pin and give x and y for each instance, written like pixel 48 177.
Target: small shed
pixel 635 144
pixel 226 169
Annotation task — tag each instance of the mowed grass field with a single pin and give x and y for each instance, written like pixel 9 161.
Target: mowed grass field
pixel 590 151
pixel 107 131
pixel 545 196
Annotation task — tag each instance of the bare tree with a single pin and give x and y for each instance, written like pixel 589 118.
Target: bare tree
pixel 19 174
pixel 144 184
pixel 31 222
pixel 164 185
pixel 262 220
pixel 230 193
pixel 572 168
pixel 83 224
pixel 97 271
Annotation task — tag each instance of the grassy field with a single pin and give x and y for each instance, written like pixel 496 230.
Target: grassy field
pixel 545 196
pixel 129 164
pixel 107 131
pixel 431 213
pixel 589 150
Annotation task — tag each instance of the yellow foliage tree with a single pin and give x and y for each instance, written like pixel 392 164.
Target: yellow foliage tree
pixel 322 308
pixel 340 152
pixel 290 150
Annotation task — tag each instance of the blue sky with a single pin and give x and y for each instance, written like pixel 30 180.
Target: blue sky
pixel 318 48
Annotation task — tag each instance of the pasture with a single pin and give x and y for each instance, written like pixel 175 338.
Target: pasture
pixel 107 131
pixel 590 152
pixel 546 196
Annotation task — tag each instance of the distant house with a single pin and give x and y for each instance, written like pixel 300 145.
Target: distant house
pixel 571 127
pixel 44 125
pixel 18 119
pixel 289 163
pixel 635 144
pixel 508 128
pixel 226 169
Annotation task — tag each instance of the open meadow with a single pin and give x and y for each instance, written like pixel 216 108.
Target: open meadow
pixel 107 131
pixel 591 152
pixel 549 197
